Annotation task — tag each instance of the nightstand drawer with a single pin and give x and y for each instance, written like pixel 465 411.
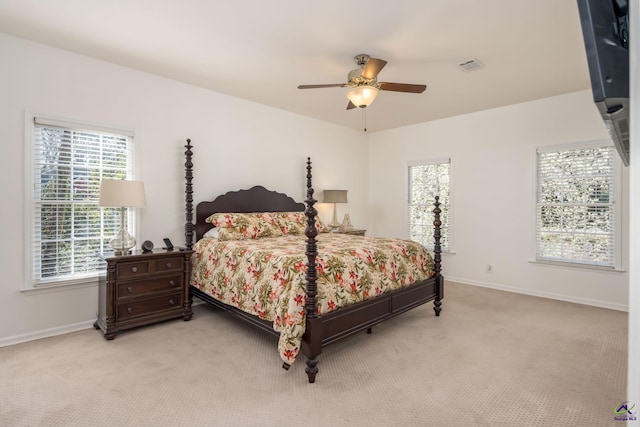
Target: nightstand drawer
pixel 149 286
pixel 148 306
pixel 169 264
pixel 126 270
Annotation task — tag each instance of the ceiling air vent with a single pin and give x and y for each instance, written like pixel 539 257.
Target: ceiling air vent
pixel 470 65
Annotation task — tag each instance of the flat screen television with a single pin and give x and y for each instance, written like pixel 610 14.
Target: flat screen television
pixel 605 29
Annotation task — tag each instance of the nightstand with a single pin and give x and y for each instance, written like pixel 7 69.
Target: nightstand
pixel 143 288
pixel 353 231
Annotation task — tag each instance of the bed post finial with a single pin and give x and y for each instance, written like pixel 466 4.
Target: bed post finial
pixel 188 193
pixel 311 304
pixel 437 250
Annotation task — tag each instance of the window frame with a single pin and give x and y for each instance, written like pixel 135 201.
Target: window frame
pixel 449 249
pixel 81 280
pixel 617 247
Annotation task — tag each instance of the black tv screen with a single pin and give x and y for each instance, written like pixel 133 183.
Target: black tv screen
pixel 605 29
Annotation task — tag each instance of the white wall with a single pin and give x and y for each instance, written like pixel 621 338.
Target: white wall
pixel 237 144
pixel 493 200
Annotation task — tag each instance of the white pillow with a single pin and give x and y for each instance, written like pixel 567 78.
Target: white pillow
pixel 212 233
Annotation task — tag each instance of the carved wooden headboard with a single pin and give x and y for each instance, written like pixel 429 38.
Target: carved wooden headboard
pixel 255 199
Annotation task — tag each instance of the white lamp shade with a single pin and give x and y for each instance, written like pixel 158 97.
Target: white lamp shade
pixel 121 193
pixel 334 196
pixel 362 96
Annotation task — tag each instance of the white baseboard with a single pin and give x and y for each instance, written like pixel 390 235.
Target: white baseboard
pixel 45 333
pixel 550 295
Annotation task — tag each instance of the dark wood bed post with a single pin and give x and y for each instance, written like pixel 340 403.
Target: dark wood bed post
pixel 188 193
pixel 313 333
pixel 437 251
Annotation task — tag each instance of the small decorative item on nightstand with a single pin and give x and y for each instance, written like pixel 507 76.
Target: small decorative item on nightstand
pixel 143 288
pixel 346 223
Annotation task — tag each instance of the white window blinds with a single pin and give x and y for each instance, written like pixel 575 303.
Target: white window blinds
pixel 576 206
pixel 426 180
pixel 68 227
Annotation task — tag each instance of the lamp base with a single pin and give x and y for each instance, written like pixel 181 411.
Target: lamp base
pixel 122 253
pixel 122 242
pixel 334 227
pixel 334 224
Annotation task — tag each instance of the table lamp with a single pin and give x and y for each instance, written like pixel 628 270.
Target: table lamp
pixel 122 194
pixel 334 196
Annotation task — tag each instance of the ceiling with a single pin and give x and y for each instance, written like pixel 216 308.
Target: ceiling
pixel 262 50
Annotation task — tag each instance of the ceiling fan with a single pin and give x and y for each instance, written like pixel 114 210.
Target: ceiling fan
pixel 363 84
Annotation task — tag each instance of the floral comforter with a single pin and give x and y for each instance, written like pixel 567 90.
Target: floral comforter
pixel 266 277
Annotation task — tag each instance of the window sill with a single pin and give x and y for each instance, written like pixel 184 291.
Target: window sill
pixel 572 265
pixel 68 285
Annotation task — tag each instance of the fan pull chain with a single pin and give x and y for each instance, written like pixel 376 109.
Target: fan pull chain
pixel 364 116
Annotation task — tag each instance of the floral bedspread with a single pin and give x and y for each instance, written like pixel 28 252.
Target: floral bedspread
pixel 266 277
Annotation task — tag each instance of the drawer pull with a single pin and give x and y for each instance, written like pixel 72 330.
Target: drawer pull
pixel 134 269
pixel 172 283
pixel 130 289
pixel 171 302
pixel 168 265
pixel 129 310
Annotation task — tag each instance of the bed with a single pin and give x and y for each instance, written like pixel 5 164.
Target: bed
pixel 265 258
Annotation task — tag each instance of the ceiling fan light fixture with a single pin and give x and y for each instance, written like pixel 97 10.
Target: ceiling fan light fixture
pixel 362 96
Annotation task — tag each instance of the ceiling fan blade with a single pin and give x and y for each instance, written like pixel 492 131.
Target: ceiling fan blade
pixel 351 106
pixel 321 86
pixel 373 67
pixel 402 87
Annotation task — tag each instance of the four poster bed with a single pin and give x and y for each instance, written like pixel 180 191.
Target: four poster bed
pixel 251 261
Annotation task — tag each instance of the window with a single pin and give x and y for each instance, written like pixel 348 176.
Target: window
pixel 68 229
pixel 426 180
pixel 577 215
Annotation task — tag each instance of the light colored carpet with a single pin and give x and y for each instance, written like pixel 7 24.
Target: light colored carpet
pixel 491 359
